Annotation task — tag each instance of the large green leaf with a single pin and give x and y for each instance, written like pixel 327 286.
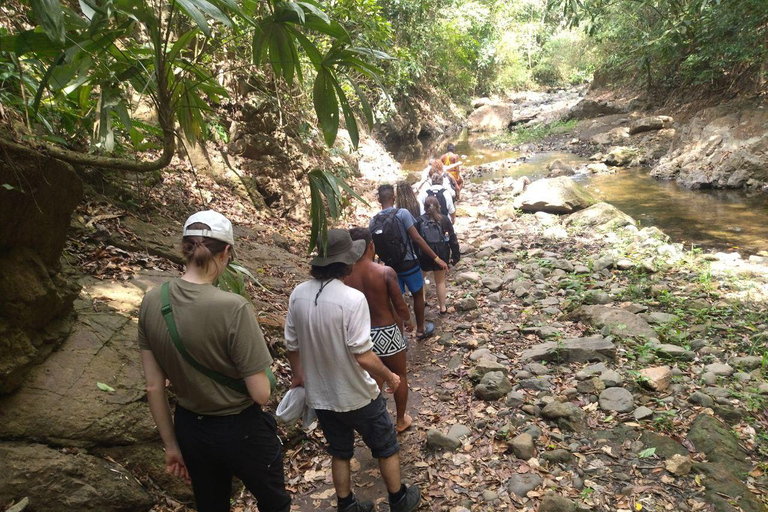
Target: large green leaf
pixel 349 116
pixel 326 105
pixel 189 7
pixel 51 16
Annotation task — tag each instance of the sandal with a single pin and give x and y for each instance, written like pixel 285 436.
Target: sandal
pixel 443 312
pixel 429 330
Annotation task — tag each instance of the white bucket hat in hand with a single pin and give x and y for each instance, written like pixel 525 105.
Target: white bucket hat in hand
pixel 220 227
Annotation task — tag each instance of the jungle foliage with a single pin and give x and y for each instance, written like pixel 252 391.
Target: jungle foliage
pixel 719 44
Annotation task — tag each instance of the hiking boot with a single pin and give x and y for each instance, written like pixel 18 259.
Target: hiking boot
pixel 409 502
pixel 358 506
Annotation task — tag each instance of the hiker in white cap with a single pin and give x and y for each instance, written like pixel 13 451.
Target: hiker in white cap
pixel 328 337
pixel 208 343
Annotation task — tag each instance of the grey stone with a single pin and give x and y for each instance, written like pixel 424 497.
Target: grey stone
pixel 709 378
pixel 455 362
pixel 598 297
pixel 483 366
pixel 555 195
pixel 537 383
pixel 674 351
pixel 482 353
pixel 555 503
pixel 520 484
pixel 558 456
pixel 574 350
pixel 563 265
pixel 661 318
pixel 747 362
pixel 710 436
pixel 467 304
pixel 523 374
pixel 489 495
pixel 616 400
pixel 590 386
pixel 514 399
pixel 603 263
pixel 701 399
pixel 458 431
pixel 616 321
pixel 493 283
pixel 512 275
pixel 493 386
pixel 438 440
pixel 537 369
pixel 534 431
pixel 468 277
pixel 602 216
pixel 719 369
pixel 742 377
pixel 612 379
pixel 522 446
pixel 642 412
pixel 58 482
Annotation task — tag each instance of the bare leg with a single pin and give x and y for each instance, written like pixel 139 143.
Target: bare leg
pixel 342 477
pixel 441 291
pixel 390 471
pixel 396 363
pixel 418 310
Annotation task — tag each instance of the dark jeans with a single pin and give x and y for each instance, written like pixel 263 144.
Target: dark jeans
pixel 245 445
pixel 372 422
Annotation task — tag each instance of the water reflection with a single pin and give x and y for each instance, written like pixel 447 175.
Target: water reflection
pixel 722 219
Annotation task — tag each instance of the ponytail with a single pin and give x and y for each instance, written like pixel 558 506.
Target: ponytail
pixel 432 209
pixel 201 251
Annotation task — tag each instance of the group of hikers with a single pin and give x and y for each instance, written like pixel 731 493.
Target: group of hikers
pixel 345 333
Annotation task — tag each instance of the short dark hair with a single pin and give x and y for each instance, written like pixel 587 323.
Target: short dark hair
pixel 337 270
pixel 451 147
pixel 361 234
pixel 386 191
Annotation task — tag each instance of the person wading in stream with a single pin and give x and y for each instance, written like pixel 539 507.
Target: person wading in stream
pixel 328 337
pixel 394 235
pixel 209 344
pixel 388 312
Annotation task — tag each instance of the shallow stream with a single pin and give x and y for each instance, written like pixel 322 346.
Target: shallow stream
pixel 717 219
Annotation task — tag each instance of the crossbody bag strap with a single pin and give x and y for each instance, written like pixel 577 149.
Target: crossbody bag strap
pixel 167 311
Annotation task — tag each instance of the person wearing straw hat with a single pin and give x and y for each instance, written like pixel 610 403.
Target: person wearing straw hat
pixel 208 343
pixel 328 338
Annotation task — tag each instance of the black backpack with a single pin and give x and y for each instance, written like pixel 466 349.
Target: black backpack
pixel 388 239
pixel 432 233
pixel 440 195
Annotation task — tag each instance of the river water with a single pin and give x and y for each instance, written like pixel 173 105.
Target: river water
pixel 712 219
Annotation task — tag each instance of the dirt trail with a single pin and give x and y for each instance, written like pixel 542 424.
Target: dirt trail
pixel 655 374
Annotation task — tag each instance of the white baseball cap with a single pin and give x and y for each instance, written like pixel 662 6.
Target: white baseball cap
pixel 220 227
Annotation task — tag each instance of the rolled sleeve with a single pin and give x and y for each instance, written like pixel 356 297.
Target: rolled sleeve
pixel 291 338
pixel 359 328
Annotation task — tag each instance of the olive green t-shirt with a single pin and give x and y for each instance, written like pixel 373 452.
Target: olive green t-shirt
pixel 219 329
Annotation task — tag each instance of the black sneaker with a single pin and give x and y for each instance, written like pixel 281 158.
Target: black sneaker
pixel 409 502
pixel 358 506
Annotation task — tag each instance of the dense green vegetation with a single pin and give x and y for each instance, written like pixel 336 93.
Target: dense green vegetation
pixel 664 44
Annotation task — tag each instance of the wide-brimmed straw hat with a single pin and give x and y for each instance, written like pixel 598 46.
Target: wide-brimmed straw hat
pixel 340 249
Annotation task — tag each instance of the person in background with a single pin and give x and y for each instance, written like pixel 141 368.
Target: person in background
pixel 442 194
pixel 452 166
pixel 328 337
pixel 218 432
pixel 436 168
pixel 388 312
pixel 437 230
pixel 405 198
pixel 394 235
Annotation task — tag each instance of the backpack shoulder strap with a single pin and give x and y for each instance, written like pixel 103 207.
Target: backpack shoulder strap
pixel 167 311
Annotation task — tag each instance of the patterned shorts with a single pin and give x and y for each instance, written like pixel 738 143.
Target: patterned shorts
pixel 387 340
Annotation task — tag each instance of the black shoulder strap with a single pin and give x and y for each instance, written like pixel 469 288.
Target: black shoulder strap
pixel 167 311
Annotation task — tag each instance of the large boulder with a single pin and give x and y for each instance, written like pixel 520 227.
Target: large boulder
pixel 58 482
pixel 648 124
pixel 618 322
pixel 574 350
pixel 35 212
pixel 713 438
pixel 555 195
pixel 720 147
pixel 489 118
pixel 60 401
pixel 602 216
pixel 36 205
pixel 589 108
